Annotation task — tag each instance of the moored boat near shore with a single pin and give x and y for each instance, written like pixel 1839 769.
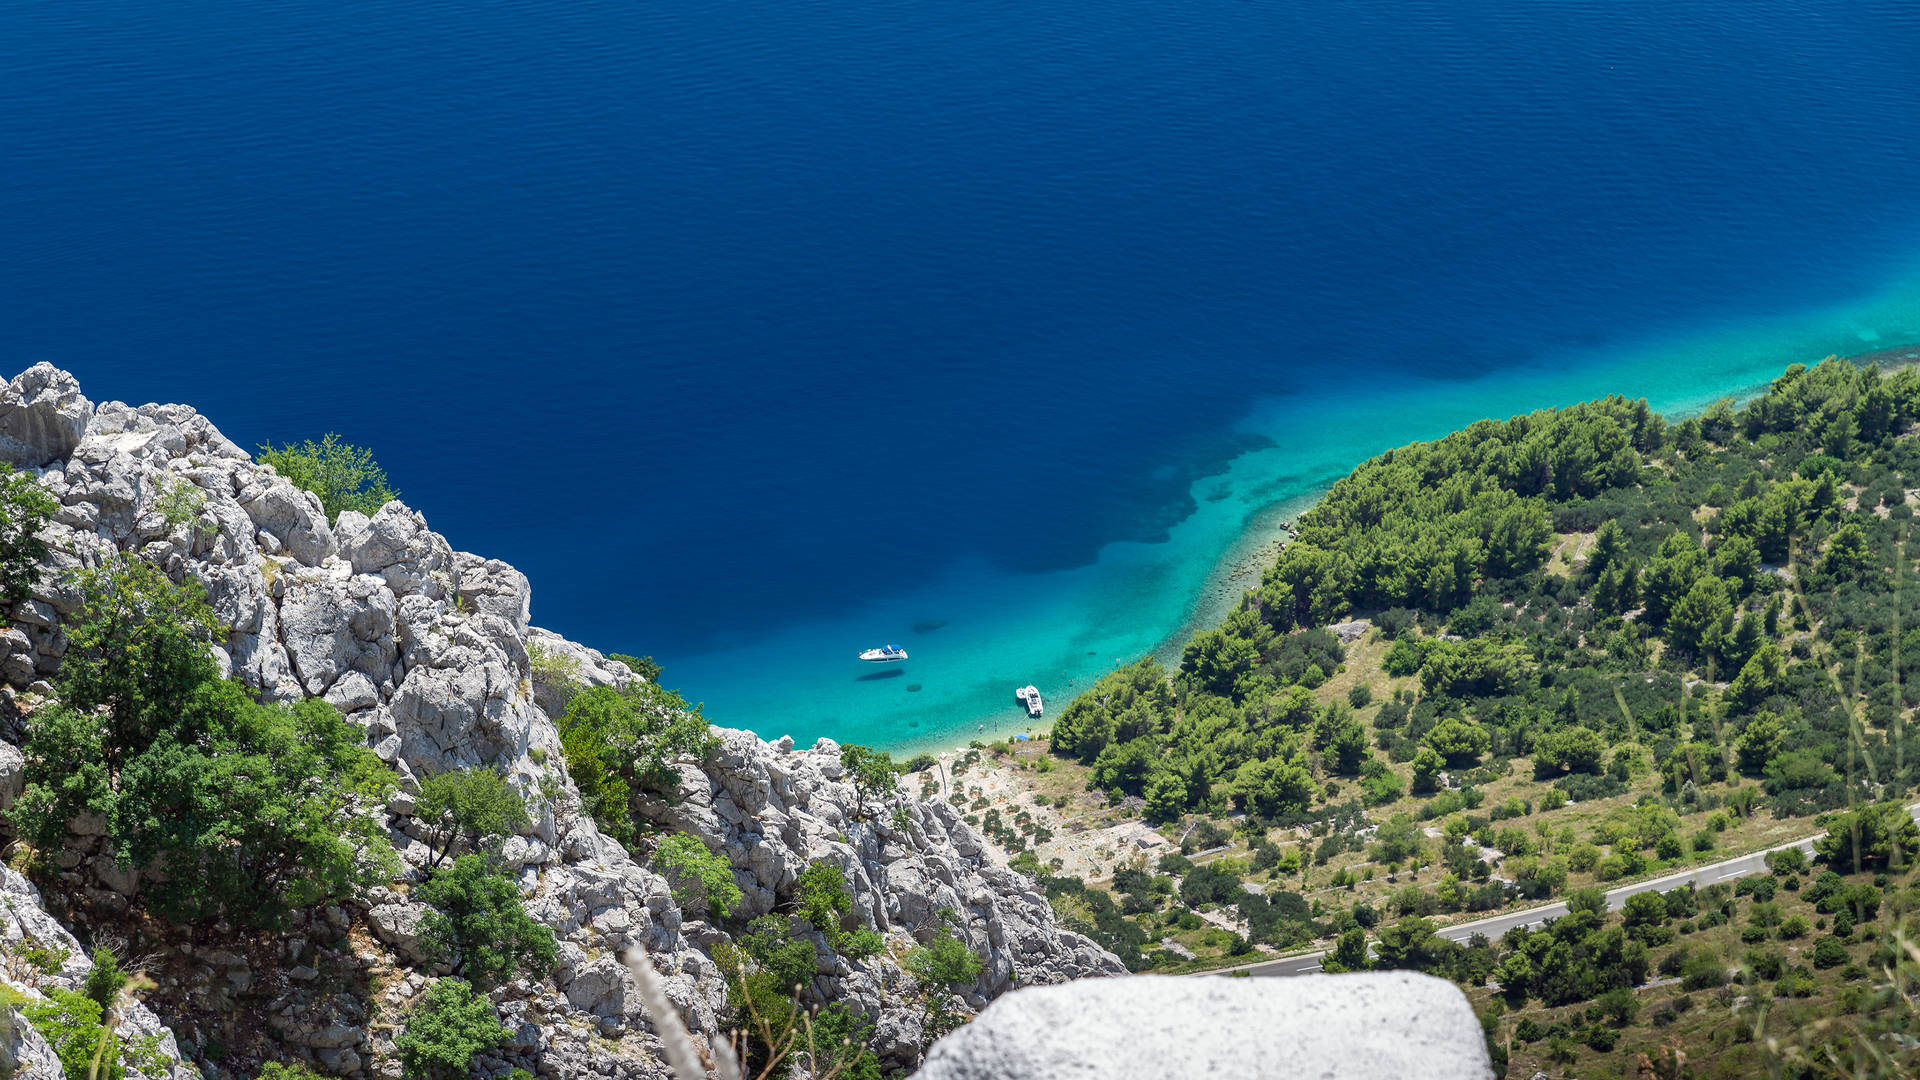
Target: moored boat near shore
pixel 1030 697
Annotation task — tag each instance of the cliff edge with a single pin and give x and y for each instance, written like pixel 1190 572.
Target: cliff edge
pixel 426 649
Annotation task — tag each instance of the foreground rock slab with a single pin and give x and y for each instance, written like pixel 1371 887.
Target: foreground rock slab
pixel 1382 1026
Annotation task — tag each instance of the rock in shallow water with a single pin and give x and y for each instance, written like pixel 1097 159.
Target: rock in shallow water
pixel 1381 1026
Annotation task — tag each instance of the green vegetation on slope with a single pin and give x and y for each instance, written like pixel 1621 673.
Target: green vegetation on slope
pixel 1600 646
pixel 255 810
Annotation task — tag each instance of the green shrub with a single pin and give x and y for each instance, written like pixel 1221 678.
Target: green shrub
pixel 105 979
pixel 274 1070
pixel 863 943
pixel 644 666
pixel 1829 952
pixel 620 743
pixel 180 502
pixel 699 877
pixel 345 476
pixel 942 962
pixel 451 1024
pixel 46 959
pixel 825 902
pixel 25 509
pixel 554 672
pixel 477 916
pixel 474 806
pixel 71 1023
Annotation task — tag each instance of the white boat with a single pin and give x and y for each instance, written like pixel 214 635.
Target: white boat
pixel 1030 697
pixel 885 655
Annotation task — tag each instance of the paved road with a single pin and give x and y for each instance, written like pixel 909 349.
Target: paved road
pixel 1493 927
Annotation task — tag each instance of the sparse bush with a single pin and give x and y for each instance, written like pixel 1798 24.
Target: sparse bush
pixel 180 502
pixel 700 878
pixel 345 476
pixel 942 962
pixel 72 1023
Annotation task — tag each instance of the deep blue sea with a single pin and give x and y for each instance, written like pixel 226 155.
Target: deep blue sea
pixel 758 333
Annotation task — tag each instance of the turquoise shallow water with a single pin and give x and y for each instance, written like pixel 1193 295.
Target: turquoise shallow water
pixel 1061 630
pixel 757 333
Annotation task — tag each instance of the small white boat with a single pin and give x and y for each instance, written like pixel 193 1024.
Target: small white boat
pixel 886 655
pixel 1030 697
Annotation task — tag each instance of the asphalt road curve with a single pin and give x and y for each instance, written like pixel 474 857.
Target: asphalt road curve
pixel 1493 927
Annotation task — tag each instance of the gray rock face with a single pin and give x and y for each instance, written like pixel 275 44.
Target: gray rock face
pixel 427 648
pixel 1381 1026
pixel 774 813
pixel 13 769
pixel 25 1054
pixel 42 416
pixel 400 926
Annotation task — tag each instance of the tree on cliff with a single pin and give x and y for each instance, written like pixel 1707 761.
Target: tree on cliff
pixel 619 743
pixel 25 508
pixel 871 772
pixel 255 809
pixel 345 476
pixel 478 921
pixel 474 806
pixel 448 1028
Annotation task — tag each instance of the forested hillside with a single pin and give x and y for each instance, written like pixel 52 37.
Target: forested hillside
pixel 1565 651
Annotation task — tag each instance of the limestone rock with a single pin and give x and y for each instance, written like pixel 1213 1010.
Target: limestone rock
pixel 43 416
pixel 290 516
pixel 24 920
pixel 400 925
pixel 584 667
pixel 13 774
pixel 24 1053
pixel 428 649
pixel 1379 1026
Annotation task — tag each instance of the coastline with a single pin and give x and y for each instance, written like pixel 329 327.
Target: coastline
pixel 981 629
pixel 1238 569
pixel 1242 564
pixel 1079 833
pixel 1244 560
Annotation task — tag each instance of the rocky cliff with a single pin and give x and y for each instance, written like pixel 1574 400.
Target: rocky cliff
pixel 427 649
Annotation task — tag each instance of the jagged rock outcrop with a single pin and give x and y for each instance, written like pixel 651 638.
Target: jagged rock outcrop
pixel 775 811
pixel 1382 1026
pixel 428 649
